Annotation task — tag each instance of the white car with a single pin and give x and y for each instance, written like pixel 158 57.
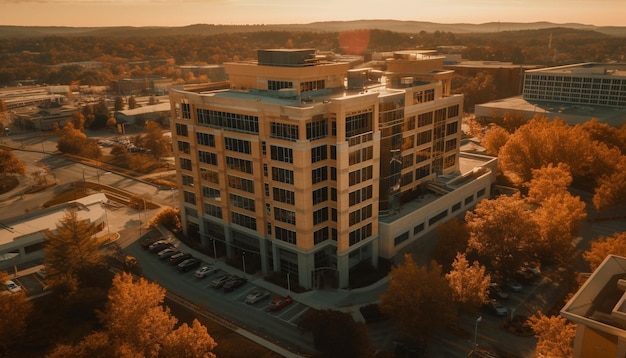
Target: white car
pixel 205 271
pixel 12 286
pixel 256 295
pixel 42 273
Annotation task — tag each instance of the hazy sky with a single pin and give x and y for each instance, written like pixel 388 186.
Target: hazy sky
pixel 85 13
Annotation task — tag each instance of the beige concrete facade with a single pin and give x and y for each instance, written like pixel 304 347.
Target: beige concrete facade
pixel 294 162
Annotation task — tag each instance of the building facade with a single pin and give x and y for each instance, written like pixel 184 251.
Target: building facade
pixel 293 162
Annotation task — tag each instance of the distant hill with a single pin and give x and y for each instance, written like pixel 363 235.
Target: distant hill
pixel 328 26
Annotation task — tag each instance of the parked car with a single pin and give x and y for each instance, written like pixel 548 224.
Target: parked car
pixel 234 283
pixel 189 264
pixel 513 285
pixel 256 295
pixel 179 257
pixel 12 286
pixel 219 281
pixel 280 302
pixel 496 291
pixel 167 253
pixel 158 246
pixel 149 239
pixel 495 307
pixel 205 271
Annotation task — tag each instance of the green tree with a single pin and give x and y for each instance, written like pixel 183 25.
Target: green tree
pixel 503 231
pixel 15 310
pixel 336 334
pixel 555 336
pixel 469 284
pixel 419 301
pixel 72 249
pixel 603 247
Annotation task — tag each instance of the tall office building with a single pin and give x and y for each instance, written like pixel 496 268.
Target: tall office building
pixel 294 161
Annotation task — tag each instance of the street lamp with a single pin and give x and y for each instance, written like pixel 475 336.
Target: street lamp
pixel 479 319
pixel 243 259
pixel 288 283
pixel 214 250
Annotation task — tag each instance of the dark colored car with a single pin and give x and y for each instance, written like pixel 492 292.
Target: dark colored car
pixel 179 257
pixel 234 283
pixel 159 246
pixel 220 280
pixel 167 253
pixel 188 264
pixel 148 239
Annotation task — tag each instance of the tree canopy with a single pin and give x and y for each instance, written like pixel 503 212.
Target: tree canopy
pixel 555 335
pixel 419 300
pixel 469 284
pixel 603 247
pixel 502 230
pixel 153 331
pixel 9 164
pixel 72 249
pixel 15 310
pixel 74 141
pixel 336 334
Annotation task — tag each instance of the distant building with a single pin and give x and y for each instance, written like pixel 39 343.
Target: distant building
pixel 213 73
pixel 308 167
pixel 574 93
pixel 159 112
pixel 22 237
pixel 599 311
pixel 145 85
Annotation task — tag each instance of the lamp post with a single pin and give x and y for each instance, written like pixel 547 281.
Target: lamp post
pixel 243 259
pixel 288 283
pixel 214 250
pixel 479 319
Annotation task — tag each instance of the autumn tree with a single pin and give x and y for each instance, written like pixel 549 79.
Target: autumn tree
pixel 9 164
pixel 603 247
pixel 154 140
pixel 477 89
pixel 418 300
pixel 336 334
pixel 611 188
pixel 495 138
pixel 152 331
pixel 452 237
pixel 168 217
pixel 503 231
pixel 78 120
pixel 555 336
pixel 15 310
pixel 469 284
pixel 611 136
pixel 72 249
pixel 119 104
pixel 548 180
pixel 74 141
pixel 542 141
pixel 132 102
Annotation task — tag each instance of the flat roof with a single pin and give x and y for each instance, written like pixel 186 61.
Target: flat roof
pixel 570 113
pixel 599 303
pixel 47 219
pixel 586 69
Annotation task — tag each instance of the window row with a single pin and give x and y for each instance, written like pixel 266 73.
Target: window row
pixel 286 216
pixel 281 154
pixel 282 175
pixel 360 175
pixel 242 184
pixel 238 145
pixel 360 195
pixel 360 234
pixel 317 130
pixel 359 215
pixel 284 131
pixel 235 122
pixel 242 202
pixel 239 164
pixel 360 155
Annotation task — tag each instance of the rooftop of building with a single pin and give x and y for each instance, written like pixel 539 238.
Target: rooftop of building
pixel 489 64
pixel 585 69
pixel 47 219
pixel 570 113
pixel 601 302
pixel 158 107
pixel 471 167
